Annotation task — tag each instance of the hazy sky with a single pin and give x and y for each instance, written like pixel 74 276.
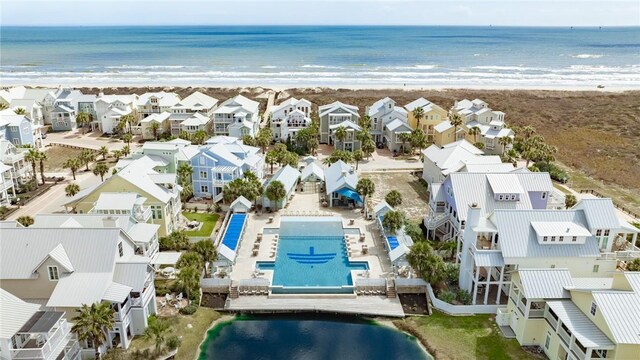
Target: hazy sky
pixel 321 12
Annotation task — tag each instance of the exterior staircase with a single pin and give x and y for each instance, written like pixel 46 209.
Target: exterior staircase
pixel 432 222
pixel 233 291
pixel 391 289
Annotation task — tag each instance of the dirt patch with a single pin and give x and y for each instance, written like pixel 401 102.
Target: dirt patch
pixel 214 301
pixel 414 194
pixel 57 156
pixel 414 304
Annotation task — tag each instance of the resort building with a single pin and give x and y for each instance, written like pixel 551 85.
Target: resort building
pixel 30 99
pixel 13 157
pixel 28 333
pixel 340 185
pixel 432 115
pixel 33 110
pixel 335 115
pixel 159 190
pixel 312 178
pixel 383 113
pixel 571 317
pixel 236 117
pixel 476 113
pixel 109 110
pixel 18 129
pixel 588 240
pixel 63 269
pixel 149 130
pixel 155 103
pixel 289 177
pixel 289 117
pixel 222 160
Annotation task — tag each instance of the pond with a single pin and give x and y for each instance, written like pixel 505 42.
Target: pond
pixel 308 337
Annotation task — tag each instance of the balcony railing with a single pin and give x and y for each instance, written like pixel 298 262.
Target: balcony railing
pixel 577 352
pixel 552 322
pixel 44 350
pixel 564 336
pixel 71 350
pixel 144 215
pixel 536 313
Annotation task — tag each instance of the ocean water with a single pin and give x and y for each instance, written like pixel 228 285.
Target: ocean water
pixel 354 56
pixel 308 338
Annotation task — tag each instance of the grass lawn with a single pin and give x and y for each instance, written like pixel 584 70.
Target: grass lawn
pixel 57 155
pixel 208 220
pixel 561 188
pixel 464 337
pixel 191 338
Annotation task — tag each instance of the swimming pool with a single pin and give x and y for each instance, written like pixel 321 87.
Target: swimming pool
pixel 311 257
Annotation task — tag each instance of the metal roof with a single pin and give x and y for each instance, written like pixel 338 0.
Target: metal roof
pixel 132 274
pixel 621 312
pixel 287 175
pixel 545 283
pixel 166 258
pixel 580 326
pixel 312 169
pixel 559 228
pixel 143 232
pixel 241 200
pixel 77 289
pixel 489 258
pixel 41 322
pixel 600 213
pixel 117 292
pixel 14 313
pixel 505 183
pixel 116 201
pixel 340 175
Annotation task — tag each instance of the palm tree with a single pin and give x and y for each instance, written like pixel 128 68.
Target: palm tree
pixel 4 106
pixel 104 151
pixel 72 189
pixel 275 192
pixel 199 137
pixel 156 330
pixel 426 262
pixel 25 220
pixel 92 323
pixel 189 280
pixel 418 114
pixel 190 258
pixel 82 119
pixel 418 140
pixel 365 187
pixel 87 156
pixel 154 129
pixel 185 171
pixel 365 122
pixel 341 135
pixel 475 131
pixel 504 141
pixel 393 198
pixel 263 139
pixel 42 157
pixel 358 156
pixel 117 154
pixel 126 150
pixel 404 138
pixel 527 131
pixel 101 170
pixel 207 251
pixel 393 221
pixel 33 156
pixel 456 120
pixel 127 138
pixel 20 111
pixel 271 159
pixel 569 201
pixel 128 121
pixel 368 147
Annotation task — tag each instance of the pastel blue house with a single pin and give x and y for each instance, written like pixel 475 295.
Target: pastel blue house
pixel 221 161
pixel 17 129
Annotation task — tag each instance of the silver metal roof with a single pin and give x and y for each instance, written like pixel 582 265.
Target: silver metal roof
pixel 545 283
pixel 577 322
pixel 621 312
pixel 14 313
pixel 600 213
pixel 489 258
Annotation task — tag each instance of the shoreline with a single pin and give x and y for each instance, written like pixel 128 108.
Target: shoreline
pixel 422 343
pixel 223 318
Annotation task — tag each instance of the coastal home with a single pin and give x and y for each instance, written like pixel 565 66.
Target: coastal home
pixel 64 268
pixel 27 332
pixel 382 113
pixel 155 103
pixel 438 162
pixel 396 136
pixel 574 317
pixel 87 105
pixel 7 186
pixel 236 117
pixel 289 177
pixel 495 244
pixel 21 170
pixel 196 103
pixel 194 123
pixel 109 110
pixel 63 118
pixel 477 113
pixel 150 131
pixel 334 115
pixel 160 191
pixel 17 129
pixel 173 152
pixel 449 200
pixel 61 104
pixel 432 115
pixel 33 110
pixel 220 161
pixel 289 117
pixel 340 185
pixel 31 99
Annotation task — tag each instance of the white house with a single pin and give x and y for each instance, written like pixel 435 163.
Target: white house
pixel 289 177
pixel 13 157
pixel 289 117
pixel 341 181
pixel 147 127
pixel 194 123
pixel 477 113
pixel 334 115
pixel 155 103
pixel 185 109
pixel 236 117
pixel 109 109
pixel 7 185
pixel 382 113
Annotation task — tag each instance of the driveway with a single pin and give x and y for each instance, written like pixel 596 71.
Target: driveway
pixel 91 140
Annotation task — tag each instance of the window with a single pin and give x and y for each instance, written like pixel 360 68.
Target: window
pixel 596 268
pixel 547 341
pixel 553 266
pixel 561 238
pixel 553 239
pixel 500 197
pixel 606 232
pixel 203 174
pixel 204 188
pixel 120 249
pixel 598 232
pixel 202 160
pixel 544 238
pixel 574 238
pixel 544 195
pixel 53 273
pixel 594 308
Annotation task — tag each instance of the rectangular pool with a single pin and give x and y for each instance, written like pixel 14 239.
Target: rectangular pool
pixel 311 257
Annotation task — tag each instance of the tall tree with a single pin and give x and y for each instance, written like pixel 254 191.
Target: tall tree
pixel 366 188
pixel 475 131
pixel 155 129
pixel 72 164
pixel 345 156
pixel 42 157
pixel 199 137
pixel 404 138
pixel 365 122
pixel 393 198
pixel 100 170
pixel 264 138
pixel 341 135
pixel 72 189
pixel 358 156
pixel 157 330
pixel 206 250
pixel 20 111
pixel 184 171
pixel 127 121
pixel 33 156
pixel 127 138
pixel 104 151
pixel 82 119
pixel 86 157
pixel 117 154
pixel 418 140
pixel 393 221
pixel 271 158
pixel 418 114
pixel 426 262
pixel 456 121
pixel 189 279
pixel 275 192
pixel 504 141
pixel 368 147
pixel 92 323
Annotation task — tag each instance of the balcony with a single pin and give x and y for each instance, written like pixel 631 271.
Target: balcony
pixel 565 336
pixel 553 322
pixel 433 222
pixel 44 346
pixel 578 352
pixel 484 243
pixel 142 213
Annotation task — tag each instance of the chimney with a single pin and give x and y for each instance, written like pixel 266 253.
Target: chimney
pixel 110 222
pixel 473 216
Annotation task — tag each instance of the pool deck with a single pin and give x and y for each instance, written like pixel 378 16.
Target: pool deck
pixel 363 305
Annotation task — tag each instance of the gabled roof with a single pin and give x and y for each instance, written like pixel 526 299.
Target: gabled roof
pixel 545 283
pixel 116 201
pixel 196 119
pixel 238 103
pixel 579 324
pixel 600 213
pixel 421 102
pixel 382 208
pixel 329 108
pixel 287 175
pixel 14 313
pixel 165 99
pixel 289 102
pixel 312 169
pixel 398 125
pixel 198 100
pixel 620 310
pixel 157 117
pixel 340 175
pixel 241 200
pixel 349 125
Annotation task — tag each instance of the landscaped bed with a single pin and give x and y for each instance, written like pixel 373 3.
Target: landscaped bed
pixel 208 223
pixel 463 337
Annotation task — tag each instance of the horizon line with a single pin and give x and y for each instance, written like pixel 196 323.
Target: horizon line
pixel 316 25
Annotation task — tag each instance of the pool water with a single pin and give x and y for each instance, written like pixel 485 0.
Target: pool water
pixel 311 257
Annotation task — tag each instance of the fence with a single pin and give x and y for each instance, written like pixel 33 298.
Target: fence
pixel 618 206
pixel 459 309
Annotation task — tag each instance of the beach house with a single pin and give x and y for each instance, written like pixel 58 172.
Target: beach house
pixel 155 103
pixel 13 157
pixel 153 125
pixel 30 99
pixel 7 185
pixel 432 115
pixel 572 317
pixel 336 115
pixel 185 109
pixel 29 333
pixel 340 185
pixel 109 110
pixel 17 129
pixel 388 121
pixel 236 117
pixel 477 114
pixel 289 117
pixel 160 192
pixel 289 177
pixel 63 269
pixel 220 161
pixel 174 153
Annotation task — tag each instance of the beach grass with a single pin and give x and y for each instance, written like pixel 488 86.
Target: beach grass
pixel 463 337
pixel 58 155
pixel 208 223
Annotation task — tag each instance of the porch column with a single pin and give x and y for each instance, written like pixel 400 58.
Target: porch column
pixel 458 250
pixel 475 285
pixel 486 286
pixel 500 285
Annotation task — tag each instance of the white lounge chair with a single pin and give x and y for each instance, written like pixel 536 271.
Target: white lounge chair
pixel 163 304
pixel 168 297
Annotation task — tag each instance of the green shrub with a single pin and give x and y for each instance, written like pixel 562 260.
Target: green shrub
pixel 463 297
pixel 634 265
pixel 554 171
pixel 189 309
pixel 447 296
pixel 173 342
pixel 451 273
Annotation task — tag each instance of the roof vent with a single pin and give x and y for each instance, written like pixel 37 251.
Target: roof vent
pixel 474 205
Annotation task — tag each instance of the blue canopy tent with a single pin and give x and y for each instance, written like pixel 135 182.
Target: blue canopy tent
pixel 350 194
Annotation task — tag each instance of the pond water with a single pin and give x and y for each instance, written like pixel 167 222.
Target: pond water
pixel 308 337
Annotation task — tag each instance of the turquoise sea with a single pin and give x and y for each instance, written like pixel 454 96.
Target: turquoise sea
pixel 429 56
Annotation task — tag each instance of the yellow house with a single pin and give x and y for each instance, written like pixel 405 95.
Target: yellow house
pixel 433 115
pixel 574 318
pixel 443 133
pixel 160 193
